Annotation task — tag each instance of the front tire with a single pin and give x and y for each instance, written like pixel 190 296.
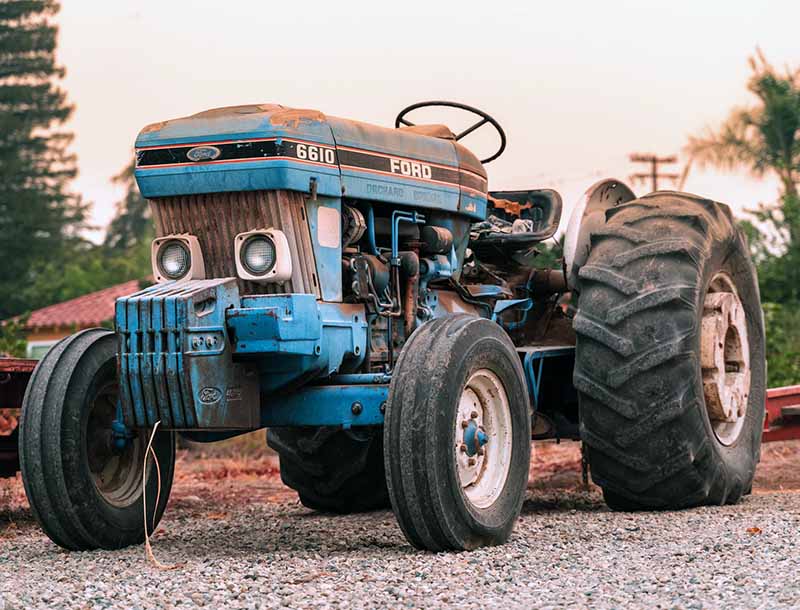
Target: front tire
pixel 85 493
pixel 670 364
pixel 457 435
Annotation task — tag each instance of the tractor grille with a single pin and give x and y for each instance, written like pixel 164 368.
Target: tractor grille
pixel 216 218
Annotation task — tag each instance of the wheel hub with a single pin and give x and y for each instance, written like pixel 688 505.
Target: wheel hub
pixel 114 454
pixel 482 439
pixel 474 437
pixel 725 359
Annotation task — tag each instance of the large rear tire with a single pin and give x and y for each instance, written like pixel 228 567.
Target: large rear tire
pixel 84 492
pixel 333 470
pixel 670 336
pixel 457 435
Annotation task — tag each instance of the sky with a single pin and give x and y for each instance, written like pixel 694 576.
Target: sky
pixel 577 85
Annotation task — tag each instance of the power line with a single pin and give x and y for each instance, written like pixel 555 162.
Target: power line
pixel 653 175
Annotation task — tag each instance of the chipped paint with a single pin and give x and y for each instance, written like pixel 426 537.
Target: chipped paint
pixel 294 117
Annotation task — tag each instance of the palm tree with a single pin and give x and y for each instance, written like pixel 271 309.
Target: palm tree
pixel 763 139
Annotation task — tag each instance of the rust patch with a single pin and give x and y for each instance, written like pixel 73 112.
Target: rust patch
pixel 8 421
pixel 508 206
pixel 231 110
pixel 155 127
pixel 293 117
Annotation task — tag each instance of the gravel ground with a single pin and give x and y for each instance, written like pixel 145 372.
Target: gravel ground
pixel 243 541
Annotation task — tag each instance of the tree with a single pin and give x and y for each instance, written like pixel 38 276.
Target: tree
pixel 132 225
pixel 12 338
pixel 38 215
pixel 762 138
pixel 84 267
pixel 765 139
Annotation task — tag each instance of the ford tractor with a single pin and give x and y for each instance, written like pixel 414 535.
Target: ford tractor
pixel 359 292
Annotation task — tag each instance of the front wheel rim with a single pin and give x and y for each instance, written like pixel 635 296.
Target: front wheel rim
pixel 483 438
pixel 115 473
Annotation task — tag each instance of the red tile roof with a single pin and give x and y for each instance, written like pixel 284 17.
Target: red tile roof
pixel 82 312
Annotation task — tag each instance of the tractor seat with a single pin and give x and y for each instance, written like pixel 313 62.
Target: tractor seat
pixel 515 223
pixel 434 131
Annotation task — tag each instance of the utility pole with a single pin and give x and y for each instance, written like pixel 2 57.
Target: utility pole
pixel 653 175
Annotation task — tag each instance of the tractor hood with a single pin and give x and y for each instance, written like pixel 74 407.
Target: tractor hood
pixel 271 147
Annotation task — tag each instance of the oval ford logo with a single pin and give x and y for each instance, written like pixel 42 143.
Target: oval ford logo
pixel 203 153
pixel 209 395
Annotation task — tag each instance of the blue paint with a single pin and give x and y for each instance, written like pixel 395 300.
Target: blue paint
pixel 435 267
pixel 474 438
pixel 473 205
pixel 296 337
pixel 373 247
pixel 204 361
pixel 328 259
pixel 359 379
pixel 399 216
pixel 237 124
pixel 533 363
pixel 326 405
pixel 206 389
pixel 360 184
pixel 267 174
pixel 524 305
pixel 121 435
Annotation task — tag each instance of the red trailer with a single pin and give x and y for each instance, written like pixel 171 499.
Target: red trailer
pixel 14 376
pixel 782 422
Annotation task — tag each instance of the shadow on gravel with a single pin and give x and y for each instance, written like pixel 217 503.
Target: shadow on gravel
pixel 290 529
pixel 563 500
pixel 14 509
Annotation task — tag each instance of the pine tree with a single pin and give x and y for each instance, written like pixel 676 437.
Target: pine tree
pixel 38 215
pixel 131 225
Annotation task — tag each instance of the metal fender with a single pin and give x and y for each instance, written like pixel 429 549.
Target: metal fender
pixel 588 216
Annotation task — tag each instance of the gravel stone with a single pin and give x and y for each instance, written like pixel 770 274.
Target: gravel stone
pixel 568 551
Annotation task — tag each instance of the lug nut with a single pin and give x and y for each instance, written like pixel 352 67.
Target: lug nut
pixel 463 448
pixel 471 461
pixel 464 423
pixel 474 415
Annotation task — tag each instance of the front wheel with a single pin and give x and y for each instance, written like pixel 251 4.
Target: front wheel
pixel 457 435
pixel 85 490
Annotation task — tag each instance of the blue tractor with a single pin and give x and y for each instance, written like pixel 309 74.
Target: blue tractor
pixel 360 293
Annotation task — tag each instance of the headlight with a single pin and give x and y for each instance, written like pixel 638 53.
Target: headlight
pixel 174 260
pixel 258 254
pixel 263 256
pixel 177 257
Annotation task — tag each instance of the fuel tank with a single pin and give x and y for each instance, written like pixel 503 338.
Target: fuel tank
pixel 272 147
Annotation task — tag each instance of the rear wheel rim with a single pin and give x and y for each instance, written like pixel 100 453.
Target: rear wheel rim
pixel 725 359
pixel 116 473
pixel 483 438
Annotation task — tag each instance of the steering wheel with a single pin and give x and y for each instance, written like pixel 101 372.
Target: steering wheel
pixel 484 118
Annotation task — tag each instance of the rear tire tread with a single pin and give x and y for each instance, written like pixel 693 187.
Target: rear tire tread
pixel 331 470
pixel 648 448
